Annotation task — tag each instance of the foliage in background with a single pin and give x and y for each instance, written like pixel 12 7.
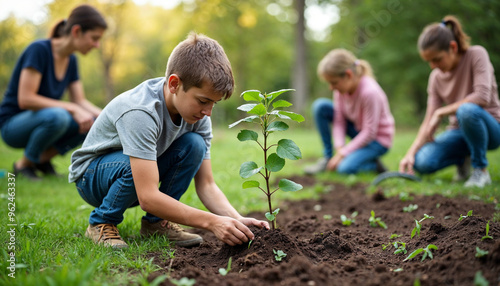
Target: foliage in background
pixel 260 44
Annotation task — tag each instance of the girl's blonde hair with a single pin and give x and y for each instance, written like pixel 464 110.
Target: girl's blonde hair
pixel 439 35
pixel 338 61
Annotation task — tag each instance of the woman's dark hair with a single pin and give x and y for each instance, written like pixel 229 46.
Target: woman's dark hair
pixel 86 16
pixel 439 35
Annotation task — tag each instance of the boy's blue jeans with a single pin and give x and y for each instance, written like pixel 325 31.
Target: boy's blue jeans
pixel 36 131
pixel 478 132
pixel 361 160
pixel 108 185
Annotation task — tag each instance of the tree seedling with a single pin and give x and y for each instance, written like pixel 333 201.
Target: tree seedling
pixel 464 216
pixel 418 227
pixel 480 253
pixel 374 222
pixel 279 255
pixel 348 221
pixel 267 112
pixel 399 246
pixel 487 232
pixel 410 208
pixel 426 251
pixel 223 271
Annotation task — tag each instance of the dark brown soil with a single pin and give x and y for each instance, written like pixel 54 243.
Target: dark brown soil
pixel 322 251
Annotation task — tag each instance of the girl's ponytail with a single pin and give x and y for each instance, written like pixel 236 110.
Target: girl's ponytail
pixel 439 35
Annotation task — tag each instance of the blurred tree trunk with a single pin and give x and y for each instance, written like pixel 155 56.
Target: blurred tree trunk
pixel 300 80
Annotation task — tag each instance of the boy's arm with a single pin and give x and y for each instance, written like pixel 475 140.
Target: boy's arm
pixel 146 179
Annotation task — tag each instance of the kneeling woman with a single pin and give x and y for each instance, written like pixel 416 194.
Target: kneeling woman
pixel 32 116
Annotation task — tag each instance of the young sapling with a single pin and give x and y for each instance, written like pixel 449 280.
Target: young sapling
pixel 418 227
pixel 225 271
pixel 480 253
pixel 465 216
pixel 374 222
pixel 426 251
pixel 279 255
pixel 410 208
pixel 487 232
pixel 348 221
pixel 267 112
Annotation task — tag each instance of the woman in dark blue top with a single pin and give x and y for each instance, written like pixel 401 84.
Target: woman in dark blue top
pixel 32 114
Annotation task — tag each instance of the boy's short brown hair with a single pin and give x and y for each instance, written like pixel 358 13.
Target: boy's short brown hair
pixel 201 60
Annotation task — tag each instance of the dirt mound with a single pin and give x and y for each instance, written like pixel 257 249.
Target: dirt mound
pixel 322 251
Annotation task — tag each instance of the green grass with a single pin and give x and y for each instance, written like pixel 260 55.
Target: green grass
pixel 51 217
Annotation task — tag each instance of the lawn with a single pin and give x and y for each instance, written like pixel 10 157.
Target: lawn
pixel 50 216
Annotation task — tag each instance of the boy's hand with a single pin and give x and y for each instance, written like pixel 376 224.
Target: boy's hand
pixel 231 231
pixel 248 221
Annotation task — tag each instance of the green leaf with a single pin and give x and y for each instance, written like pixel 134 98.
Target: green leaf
pixel 275 163
pixel 277 126
pixel 250 184
pixel 245 135
pixel 276 211
pixel 287 149
pixel 413 254
pixel 292 115
pixel 259 110
pixel 289 186
pixel 246 107
pixel 249 169
pixel 252 95
pixel 269 216
pixel 272 96
pixel 281 103
pixel 246 119
pixel 479 279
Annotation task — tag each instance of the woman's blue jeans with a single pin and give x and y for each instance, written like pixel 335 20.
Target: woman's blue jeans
pixel 108 184
pixel 361 160
pixel 36 131
pixel 478 132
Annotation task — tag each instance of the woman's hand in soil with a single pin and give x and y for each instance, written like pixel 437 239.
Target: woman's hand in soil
pixel 231 231
pixel 406 164
pixel 334 162
pixel 248 221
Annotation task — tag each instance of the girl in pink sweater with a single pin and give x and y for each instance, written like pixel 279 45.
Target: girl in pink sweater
pixel 360 110
pixel 462 87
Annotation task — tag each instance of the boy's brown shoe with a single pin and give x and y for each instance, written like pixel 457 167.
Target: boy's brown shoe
pixel 105 234
pixel 172 231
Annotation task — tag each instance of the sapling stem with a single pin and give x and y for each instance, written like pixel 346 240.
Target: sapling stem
pixel 268 114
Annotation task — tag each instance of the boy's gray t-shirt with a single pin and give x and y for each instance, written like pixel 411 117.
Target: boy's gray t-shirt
pixel 137 122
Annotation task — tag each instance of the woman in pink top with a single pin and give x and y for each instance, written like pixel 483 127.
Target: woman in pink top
pixel 462 87
pixel 360 110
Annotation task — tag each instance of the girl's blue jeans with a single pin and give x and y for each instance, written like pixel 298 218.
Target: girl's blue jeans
pixel 478 132
pixel 361 160
pixel 36 131
pixel 108 184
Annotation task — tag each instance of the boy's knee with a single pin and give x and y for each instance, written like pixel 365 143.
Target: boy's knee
pixel 195 142
pixel 346 169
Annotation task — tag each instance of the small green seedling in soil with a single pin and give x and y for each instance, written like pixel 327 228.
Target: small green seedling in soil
pixel 223 271
pixel 327 217
pixel 480 253
pixel 404 197
pixel 465 216
pixel 374 222
pixel 410 208
pixel 184 281
pixel 279 255
pixel 395 235
pixel 418 227
pixel 426 251
pixel 266 112
pixel 348 221
pixel 398 245
pixel 479 279
pixel 487 232
pixel 249 243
